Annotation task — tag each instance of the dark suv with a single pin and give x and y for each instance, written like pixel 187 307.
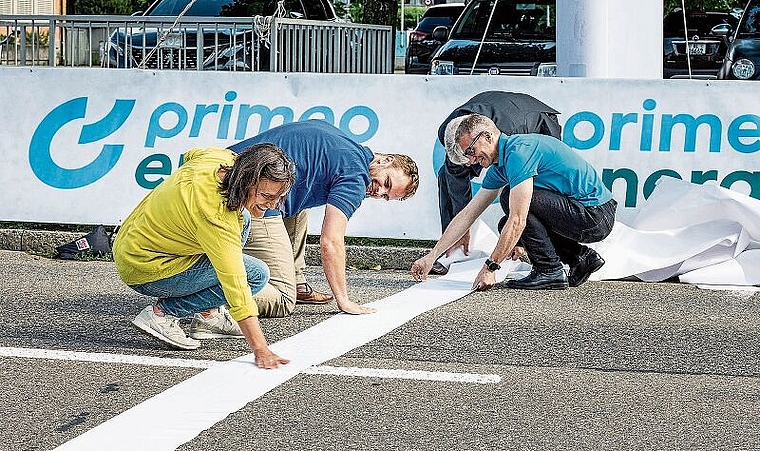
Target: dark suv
pixel 743 56
pixel 706 32
pixel 226 45
pixel 421 44
pixel 521 40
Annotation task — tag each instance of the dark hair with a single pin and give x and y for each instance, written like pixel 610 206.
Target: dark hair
pixel 260 161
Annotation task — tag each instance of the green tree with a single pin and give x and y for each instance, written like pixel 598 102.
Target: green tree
pixel 706 5
pixel 97 7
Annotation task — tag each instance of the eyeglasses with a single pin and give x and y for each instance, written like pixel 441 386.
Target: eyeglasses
pixel 470 151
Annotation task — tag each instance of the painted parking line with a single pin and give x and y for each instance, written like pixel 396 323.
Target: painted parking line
pixel 437 376
pixel 99 357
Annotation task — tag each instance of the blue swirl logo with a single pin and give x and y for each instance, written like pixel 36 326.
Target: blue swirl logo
pixel 52 174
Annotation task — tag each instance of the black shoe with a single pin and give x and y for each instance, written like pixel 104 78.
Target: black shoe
pixel 438 269
pixel 589 263
pixel 536 280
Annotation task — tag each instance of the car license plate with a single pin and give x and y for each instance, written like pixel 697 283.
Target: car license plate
pixel 172 41
pixel 697 49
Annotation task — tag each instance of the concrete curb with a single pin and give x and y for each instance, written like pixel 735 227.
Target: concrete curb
pixel 364 257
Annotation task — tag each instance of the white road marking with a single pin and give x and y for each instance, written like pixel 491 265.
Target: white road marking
pixel 102 357
pixel 439 376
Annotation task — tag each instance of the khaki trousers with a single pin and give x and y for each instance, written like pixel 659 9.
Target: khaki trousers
pixel 281 244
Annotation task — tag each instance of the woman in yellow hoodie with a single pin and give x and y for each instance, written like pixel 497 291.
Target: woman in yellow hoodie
pixel 183 245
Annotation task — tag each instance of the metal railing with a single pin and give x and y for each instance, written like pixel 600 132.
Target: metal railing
pixel 353 49
pixel 196 43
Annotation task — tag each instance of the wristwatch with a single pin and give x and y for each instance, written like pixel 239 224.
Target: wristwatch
pixel 491 265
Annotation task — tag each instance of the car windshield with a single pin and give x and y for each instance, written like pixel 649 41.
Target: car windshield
pixel 511 20
pixel 317 9
pixel 751 19
pixel 698 23
pixel 428 23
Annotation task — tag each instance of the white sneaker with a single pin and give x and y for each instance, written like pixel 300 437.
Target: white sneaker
pixel 217 325
pixel 166 328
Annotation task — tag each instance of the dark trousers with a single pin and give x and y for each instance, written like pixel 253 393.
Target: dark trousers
pixel 557 224
pixel 454 189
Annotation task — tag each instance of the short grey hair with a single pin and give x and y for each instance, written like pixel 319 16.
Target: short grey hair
pixel 453 151
pixel 470 124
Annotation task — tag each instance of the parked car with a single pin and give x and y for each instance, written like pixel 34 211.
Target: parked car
pixel 225 45
pixel 421 45
pixel 742 60
pixel 521 40
pixel 706 32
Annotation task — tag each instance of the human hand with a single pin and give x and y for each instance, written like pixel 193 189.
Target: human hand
pixel 517 252
pixel 352 308
pixel 267 359
pixel 421 268
pixel 485 280
pixel 464 242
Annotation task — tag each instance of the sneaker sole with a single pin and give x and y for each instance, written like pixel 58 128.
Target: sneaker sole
pixel 207 335
pixel 147 330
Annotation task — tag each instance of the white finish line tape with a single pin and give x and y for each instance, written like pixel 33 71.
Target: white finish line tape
pixel 180 413
pixel 98 357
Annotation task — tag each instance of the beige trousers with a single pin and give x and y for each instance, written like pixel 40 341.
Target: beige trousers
pixel 281 245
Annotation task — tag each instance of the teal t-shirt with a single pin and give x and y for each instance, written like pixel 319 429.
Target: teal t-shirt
pixel 553 165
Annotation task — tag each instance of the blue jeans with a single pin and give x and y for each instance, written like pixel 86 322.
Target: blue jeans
pixel 557 224
pixel 198 289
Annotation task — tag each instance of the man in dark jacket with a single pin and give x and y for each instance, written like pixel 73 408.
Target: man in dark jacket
pixel 513 113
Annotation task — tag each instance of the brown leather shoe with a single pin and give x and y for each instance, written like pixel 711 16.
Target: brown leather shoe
pixel 306 295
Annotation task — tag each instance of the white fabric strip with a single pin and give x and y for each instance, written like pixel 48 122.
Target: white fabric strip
pixel 704 234
pixel 178 414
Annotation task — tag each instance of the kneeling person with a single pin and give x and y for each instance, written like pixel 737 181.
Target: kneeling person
pixel 183 245
pixel 554 201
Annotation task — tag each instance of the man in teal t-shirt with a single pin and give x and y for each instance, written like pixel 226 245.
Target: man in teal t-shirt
pixel 554 201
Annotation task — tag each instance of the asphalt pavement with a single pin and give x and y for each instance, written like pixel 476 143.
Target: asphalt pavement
pixel 608 365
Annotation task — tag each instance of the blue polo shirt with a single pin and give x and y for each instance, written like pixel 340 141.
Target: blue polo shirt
pixel 551 163
pixel 330 167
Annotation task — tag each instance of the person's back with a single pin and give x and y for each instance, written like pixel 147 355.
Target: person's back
pixel 553 166
pixel 323 155
pixel 159 237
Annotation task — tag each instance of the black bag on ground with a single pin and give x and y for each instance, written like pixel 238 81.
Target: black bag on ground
pixel 96 243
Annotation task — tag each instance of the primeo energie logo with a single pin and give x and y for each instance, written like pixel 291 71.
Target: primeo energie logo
pixel 167 121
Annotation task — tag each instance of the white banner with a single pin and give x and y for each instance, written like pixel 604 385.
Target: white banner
pixel 85 145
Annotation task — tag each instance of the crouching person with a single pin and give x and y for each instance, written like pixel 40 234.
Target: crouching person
pixel 183 245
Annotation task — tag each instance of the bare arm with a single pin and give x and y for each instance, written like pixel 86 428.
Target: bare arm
pixel 519 203
pixel 255 338
pixel 333 248
pixel 457 228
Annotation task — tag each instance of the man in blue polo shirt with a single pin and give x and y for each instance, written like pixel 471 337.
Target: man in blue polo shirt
pixel 554 201
pixel 331 170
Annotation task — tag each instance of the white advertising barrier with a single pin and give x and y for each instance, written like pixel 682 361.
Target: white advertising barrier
pixel 85 145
